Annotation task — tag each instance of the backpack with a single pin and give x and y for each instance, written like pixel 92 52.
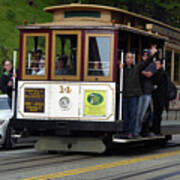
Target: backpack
pixel 172 90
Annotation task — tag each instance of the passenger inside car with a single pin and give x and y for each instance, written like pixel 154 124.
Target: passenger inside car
pixel 96 70
pixel 61 67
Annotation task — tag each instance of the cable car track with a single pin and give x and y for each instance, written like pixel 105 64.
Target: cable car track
pixel 24 159
pixel 28 163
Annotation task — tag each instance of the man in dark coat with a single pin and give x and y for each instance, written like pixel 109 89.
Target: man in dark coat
pixel 160 96
pixel 145 100
pixel 132 90
pixel 6 81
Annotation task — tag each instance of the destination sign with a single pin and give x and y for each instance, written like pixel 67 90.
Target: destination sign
pixel 164 31
pixel 34 100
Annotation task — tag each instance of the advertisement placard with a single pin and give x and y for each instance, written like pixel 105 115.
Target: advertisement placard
pixel 34 100
pixel 95 103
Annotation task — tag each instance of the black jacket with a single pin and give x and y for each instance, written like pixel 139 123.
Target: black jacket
pixel 146 83
pixel 4 84
pixel 131 84
pixel 160 94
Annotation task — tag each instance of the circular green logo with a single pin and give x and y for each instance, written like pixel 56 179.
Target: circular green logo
pixel 95 99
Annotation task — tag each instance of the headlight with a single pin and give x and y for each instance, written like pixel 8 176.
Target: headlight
pixel 1 122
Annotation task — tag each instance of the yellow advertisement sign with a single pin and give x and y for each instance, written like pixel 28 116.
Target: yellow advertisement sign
pixel 95 103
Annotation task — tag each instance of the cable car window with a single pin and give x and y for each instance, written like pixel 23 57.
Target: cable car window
pixel 66 50
pixel 99 57
pixel 66 57
pixel 35 56
pixel 71 14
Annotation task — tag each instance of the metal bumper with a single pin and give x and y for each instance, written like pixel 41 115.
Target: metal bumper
pixel 66 126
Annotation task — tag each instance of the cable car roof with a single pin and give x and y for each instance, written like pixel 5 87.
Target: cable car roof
pixel 75 6
pixel 88 16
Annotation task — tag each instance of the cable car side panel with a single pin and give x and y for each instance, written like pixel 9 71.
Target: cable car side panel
pixel 66 101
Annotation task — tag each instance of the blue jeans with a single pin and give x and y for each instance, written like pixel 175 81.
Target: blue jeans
pixel 10 102
pixel 129 110
pixel 143 104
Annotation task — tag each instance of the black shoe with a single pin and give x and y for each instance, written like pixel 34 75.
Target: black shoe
pixel 120 136
pixel 145 134
pixel 129 136
pixel 125 136
pixel 151 134
pixel 137 136
pixel 158 134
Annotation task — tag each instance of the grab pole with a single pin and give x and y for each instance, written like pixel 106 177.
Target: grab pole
pixel 14 80
pixel 121 87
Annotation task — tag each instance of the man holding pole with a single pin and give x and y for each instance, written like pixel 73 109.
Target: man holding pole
pixel 132 90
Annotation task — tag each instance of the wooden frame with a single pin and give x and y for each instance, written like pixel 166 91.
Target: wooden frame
pixel 78 68
pixel 98 78
pixel 35 77
pixel 172 63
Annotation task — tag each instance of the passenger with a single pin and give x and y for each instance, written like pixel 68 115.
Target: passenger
pixel 35 63
pixel 61 68
pixel 132 90
pixel 38 54
pixel 160 96
pixel 6 81
pixel 145 100
pixel 41 67
pixel 34 67
pixel 97 70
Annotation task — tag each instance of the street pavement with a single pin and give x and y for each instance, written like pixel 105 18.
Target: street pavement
pixel 151 162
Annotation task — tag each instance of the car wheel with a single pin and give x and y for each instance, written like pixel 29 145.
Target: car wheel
pixel 9 141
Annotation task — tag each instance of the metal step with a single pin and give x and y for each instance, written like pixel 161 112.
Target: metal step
pixel 122 140
pixel 16 136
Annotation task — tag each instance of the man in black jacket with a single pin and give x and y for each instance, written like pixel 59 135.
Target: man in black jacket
pixel 6 81
pixel 132 90
pixel 160 96
pixel 145 101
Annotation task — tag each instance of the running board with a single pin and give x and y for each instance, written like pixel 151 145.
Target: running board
pixel 71 144
pixel 17 136
pixel 121 140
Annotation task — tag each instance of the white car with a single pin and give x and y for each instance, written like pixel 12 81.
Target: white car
pixel 5 115
pixel 8 138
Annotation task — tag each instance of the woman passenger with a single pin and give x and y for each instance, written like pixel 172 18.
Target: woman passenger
pixel 6 80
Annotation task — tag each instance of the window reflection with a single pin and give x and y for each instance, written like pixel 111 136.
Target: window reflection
pixel 35 55
pixel 66 55
pixel 99 56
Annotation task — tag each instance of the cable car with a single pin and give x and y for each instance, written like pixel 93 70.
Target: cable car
pixel 68 82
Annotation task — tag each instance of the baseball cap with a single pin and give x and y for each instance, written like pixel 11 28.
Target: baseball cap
pixel 147 51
